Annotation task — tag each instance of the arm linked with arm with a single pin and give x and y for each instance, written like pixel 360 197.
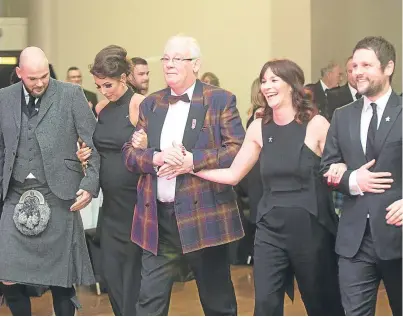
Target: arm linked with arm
pixel 85 122
pixel 136 159
pixel 243 162
pixel 232 133
pixel 332 154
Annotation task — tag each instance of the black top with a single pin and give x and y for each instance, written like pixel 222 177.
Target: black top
pixel 119 186
pixel 290 174
pixel 254 181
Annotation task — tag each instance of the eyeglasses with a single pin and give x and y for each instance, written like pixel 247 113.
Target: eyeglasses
pixel 176 60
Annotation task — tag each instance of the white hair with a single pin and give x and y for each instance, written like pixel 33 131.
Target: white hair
pixel 188 42
pixel 328 68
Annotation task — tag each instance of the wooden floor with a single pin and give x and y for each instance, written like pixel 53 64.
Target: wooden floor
pixel 185 300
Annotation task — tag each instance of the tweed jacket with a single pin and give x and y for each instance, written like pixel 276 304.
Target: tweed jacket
pixel 64 116
pixel 207 213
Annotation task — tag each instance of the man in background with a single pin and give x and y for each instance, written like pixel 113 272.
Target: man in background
pixel 139 79
pixel 330 78
pixel 343 95
pixel 74 76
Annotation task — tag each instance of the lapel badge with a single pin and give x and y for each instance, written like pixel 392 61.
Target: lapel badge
pixel 193 124
pixel 387 119
pixel 271 139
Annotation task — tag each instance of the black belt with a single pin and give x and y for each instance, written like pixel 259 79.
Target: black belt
pixel 168 204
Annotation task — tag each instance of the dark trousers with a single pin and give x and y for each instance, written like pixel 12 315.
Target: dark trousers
pixel 360 277
pixel 288 242
pixel 210 266
pixel 64 300
pixel 121 269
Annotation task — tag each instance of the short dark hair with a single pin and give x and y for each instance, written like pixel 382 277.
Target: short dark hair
pixel 13 77
pixel 72 68
pixel 111 62
pixel 139 61
pixel 213 78
pixel 383 49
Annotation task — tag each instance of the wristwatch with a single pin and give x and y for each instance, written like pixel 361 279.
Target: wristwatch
pixel 156 167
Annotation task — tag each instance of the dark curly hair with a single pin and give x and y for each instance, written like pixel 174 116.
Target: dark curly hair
pixel 293 75
pixel 111 62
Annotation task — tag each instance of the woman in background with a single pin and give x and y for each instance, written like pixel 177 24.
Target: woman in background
pixel 211 79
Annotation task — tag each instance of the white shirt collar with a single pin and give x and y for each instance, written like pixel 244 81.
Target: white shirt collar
pixel 353 91
pixel 380 102
pixel 26 93
pixel 188 91
pixel 324 87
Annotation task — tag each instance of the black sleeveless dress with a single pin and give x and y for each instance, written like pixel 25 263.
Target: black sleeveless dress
pixel 296 226
pixel 121 259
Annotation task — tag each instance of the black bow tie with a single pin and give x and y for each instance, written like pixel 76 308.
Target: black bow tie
pixel 174 99
pixel 358 95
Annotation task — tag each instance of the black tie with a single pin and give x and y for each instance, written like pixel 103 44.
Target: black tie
pixel 174 99
pixel 358 95
pixel 373 127
pixel 31 105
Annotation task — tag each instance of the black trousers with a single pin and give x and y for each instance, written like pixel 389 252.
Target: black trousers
pixel 121 270
pixel 360 277
pixel 210 266
pixel 290 241
pixel 64 300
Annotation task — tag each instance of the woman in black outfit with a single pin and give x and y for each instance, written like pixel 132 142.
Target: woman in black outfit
pixel 296 222
pixel 121 259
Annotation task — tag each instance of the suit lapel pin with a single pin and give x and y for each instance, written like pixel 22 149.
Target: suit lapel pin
pixel 271 139
pixel 193 124
pixel 387 119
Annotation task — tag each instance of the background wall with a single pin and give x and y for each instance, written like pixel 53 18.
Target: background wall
pixel 338 25
pixel 236 37
pixel 14 8
pixel 235 40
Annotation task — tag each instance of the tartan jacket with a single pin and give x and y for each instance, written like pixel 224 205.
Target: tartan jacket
pixel 207 213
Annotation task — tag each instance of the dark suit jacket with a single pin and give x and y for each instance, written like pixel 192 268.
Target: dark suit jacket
pixel 338 97
pixel 319 98
pixel 206 212
pixel 343 144
pixel 64 116
pixel 92 97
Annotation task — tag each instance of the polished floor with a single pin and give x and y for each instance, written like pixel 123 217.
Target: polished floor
pixel 185 300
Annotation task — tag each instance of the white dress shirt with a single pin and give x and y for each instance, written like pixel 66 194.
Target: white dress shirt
pixel 324 87
pixel 353 91
pixel 26 95
pixel 173 130
pixel 366 116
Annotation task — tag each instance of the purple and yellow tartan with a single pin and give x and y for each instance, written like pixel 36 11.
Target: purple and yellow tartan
pixel 338 202
pixel 206 212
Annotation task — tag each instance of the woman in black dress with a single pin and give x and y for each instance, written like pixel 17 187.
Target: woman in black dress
pixel 121 259
pixel 296 222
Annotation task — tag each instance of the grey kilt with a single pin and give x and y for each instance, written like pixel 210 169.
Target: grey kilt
pixel 56 257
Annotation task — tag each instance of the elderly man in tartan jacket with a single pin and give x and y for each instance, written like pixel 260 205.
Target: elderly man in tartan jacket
pixel 190 126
